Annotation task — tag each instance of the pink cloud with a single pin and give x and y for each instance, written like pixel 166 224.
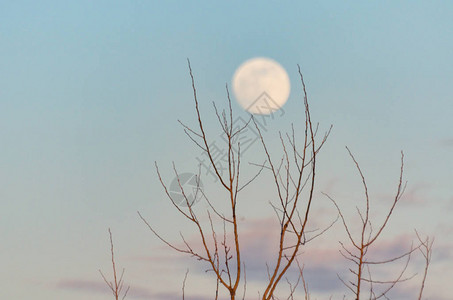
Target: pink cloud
pixel 83 285
pixel 417 194
pixel 135 292
pixel 322 261
pixel 411 291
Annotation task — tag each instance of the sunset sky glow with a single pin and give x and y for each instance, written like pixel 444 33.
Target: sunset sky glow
pixel 90 97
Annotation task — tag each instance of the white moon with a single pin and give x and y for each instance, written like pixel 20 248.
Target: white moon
pixel 261 85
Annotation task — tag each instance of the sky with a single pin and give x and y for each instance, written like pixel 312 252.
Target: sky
pixel 90 97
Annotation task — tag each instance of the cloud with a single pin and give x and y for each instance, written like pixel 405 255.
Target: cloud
pixel 388 248
pixel 450 204
pixel 82 285
pixel 135 292
pixel 322 260
pixel 411 291
pixel 445 228
pixel 442 251
pixel 175 296
pixel 158 257
pixel 259 246
pixel 416 194
pixel 447 142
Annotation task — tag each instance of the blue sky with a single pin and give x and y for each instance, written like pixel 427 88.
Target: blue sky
pixel 90 95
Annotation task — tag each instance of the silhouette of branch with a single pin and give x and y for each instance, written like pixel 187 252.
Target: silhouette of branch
pixel 358 255
pixel 426 248
pixel 116 286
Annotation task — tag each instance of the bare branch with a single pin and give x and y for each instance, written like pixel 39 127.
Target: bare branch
pixel 116 286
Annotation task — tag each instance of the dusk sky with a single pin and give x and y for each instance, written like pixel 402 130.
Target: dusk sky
pixel 90 97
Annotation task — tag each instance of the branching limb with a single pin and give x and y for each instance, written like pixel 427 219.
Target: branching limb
pixel 116 286
pixel 426 249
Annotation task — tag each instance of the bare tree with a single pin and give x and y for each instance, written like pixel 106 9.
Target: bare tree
pixel 295 171
pixel 294 177
pixel 116 286
pixel 357 254
pixel 219 257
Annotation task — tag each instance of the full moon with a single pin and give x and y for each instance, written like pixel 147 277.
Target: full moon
pixel 261 86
